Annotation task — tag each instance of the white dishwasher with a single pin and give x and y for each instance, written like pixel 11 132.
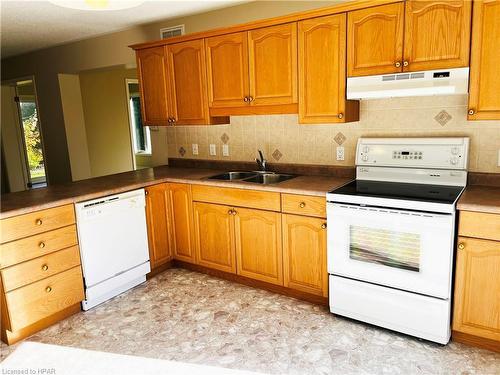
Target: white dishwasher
pixel 114 249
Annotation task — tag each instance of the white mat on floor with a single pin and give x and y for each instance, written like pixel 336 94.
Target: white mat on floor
pixel 36 358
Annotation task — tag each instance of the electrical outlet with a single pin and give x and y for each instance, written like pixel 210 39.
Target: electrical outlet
pixel 195 148
pixel 213 149
pixel 340 153
pixel 225 150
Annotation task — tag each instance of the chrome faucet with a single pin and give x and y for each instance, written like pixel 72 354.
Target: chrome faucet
pixel 262 163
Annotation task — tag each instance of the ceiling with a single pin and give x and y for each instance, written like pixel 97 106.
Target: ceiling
pixel 31 25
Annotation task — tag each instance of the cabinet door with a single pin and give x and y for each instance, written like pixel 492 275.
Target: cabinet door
pixel 259 253
pixel 304 254
pixel 437 34
pixel 477 288
pixel 273 65
pixel 214 236
pixel 375 40
pixel 227 70
pixel 151 67
pixel 181 208
pixel 187 83
pixel 322 71
pixel 484 101
pixel 157 221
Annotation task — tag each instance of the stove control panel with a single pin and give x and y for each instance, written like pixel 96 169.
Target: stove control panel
pixel 445 153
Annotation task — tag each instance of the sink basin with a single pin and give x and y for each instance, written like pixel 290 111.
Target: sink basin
pixel 233 175
pixel 269 178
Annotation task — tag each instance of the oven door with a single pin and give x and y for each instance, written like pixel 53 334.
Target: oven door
pixel 401 249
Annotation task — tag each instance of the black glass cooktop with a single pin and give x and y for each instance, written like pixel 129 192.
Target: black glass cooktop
pixel 405 191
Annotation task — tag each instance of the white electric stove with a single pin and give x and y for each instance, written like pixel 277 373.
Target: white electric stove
pixel 391 234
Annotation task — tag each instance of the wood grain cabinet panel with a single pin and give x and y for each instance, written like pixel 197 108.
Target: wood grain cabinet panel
pixel 437 34
pixel 181 209
pixel 187 82
pixel 304 254
pixel 157 217
pixel 227 70
pixel 322 71
pixel 477 288
pixel 259 252
pixel 273 65
pixel 375 40
pixel 484 98
pixel 214 236
pixel 152 72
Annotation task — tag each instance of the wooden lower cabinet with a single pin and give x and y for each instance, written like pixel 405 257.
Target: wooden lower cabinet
pixel 181 220
pixel 304 254
pixel 214 236
pixel 477 289
pixel 259 252
pixel 157 208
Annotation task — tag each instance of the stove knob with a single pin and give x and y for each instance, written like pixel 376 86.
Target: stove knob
pixel 455 150
pixel 366 149
pixel 365 157
pixel 453 161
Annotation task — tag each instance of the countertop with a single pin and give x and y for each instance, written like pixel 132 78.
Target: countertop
pixel 56 195
pixel 480 198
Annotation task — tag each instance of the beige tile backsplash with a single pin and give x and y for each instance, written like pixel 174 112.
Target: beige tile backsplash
pixel 315 144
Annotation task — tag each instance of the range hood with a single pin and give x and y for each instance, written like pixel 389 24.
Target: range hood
pixel 426 83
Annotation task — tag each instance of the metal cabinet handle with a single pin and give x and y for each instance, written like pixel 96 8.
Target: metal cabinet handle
pixel 48 289
pixel 397 64
pixel 302 204
pixel 471 112
pixel 230 212
pixel 246 99
pixel 250 98
pixel 234 212
pixel 340 115
pixel 38 222
pixel 405 63
pixel 323 226
pixel 41 245
pixel 45 267
pixel 461 246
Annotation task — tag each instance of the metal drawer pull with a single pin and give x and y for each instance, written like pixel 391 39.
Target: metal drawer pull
pixel 38 221
pixel 45 267
pixel 48 289
pixel 302 204
pixel 41 245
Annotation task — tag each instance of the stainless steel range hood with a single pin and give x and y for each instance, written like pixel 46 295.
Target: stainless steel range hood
pixel 425 83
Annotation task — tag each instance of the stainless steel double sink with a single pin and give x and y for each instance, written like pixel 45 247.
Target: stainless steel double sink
pixel 258 177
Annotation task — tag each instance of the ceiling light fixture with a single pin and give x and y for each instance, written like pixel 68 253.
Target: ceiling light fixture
pixel 99 5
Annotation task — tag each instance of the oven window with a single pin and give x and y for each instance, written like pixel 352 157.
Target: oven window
pixel 393 249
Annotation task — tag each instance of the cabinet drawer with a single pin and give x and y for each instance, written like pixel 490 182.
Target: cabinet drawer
pixel 33 270
pixel 26 225
pixel 264 200
pixel 304 205
pixel 479 225
pixel 43 298
pixel 35 246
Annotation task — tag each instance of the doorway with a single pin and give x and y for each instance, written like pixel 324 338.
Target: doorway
pixel 23 134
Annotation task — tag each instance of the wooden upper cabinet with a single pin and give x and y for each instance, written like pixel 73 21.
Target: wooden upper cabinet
pixel 477 288
pixel 259 252
pixel 273 65
pixel 322 71
pixel 157 217
pixel 375 40
pixel 187 82
pixel 181 220
pixel 152 71
pixel 227 70
pixel 214 236
pixel 484 87
pixel 437 34
pixel 304 254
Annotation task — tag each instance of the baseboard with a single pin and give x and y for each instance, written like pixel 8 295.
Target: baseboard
pixel 159 269
pixel 477 341
pixel 318 300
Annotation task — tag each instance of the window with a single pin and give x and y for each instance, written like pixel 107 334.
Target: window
pixel 140 134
